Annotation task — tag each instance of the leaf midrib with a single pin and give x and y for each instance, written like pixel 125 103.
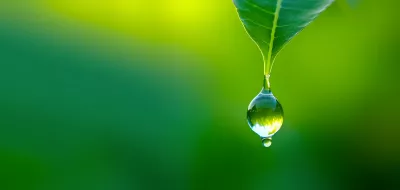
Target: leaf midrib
pixel 268 63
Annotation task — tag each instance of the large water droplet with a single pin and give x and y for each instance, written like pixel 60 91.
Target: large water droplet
pixel 265 115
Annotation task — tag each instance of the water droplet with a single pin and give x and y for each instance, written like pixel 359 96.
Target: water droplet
pixel 265 115
pixel 267 142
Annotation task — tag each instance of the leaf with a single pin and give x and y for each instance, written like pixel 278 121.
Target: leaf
pixel 273 23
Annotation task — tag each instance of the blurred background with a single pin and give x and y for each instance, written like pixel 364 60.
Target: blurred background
pixel 115 95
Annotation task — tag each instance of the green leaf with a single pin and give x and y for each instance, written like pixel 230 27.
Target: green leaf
pixel 272 23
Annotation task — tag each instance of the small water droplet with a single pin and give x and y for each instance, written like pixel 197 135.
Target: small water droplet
pixel 267 142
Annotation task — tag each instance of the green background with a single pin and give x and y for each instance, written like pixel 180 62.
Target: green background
pixel 115 95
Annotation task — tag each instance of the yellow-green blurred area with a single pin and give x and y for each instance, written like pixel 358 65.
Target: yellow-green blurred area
pixel 115 95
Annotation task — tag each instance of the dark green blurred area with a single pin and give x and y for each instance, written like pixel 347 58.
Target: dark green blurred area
pixel 127 100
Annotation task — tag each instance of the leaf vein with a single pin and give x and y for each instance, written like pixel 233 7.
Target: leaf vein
pixel 259 8
pixel 256 23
